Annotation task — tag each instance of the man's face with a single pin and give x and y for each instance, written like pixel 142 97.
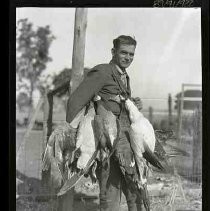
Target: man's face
pixel 123 56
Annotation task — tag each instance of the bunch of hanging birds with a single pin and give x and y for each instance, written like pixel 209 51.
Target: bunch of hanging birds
pixel 71 152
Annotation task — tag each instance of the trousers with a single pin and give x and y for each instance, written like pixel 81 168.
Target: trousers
pixel 113 182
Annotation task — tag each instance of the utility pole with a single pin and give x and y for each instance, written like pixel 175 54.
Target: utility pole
pixel 78 48
pixel 65 202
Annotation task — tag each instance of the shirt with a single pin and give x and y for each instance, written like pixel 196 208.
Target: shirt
pixel 123 75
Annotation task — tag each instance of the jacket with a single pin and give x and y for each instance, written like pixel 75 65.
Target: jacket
pixel 101 80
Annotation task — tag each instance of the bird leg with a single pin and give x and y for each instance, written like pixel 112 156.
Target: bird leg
pixel 104 152
pixel 93 173
pixel 142 170
pixel 146 200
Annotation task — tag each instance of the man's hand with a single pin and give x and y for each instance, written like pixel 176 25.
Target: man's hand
pixel 137 101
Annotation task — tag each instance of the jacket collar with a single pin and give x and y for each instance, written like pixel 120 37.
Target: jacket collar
pixel 121 71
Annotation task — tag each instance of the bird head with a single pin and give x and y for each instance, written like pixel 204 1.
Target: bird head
pixel 123 96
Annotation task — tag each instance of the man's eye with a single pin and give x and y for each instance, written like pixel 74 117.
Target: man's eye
pixel 124 53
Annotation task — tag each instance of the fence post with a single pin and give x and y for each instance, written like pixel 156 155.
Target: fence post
pixel 169 111
pixel 151 114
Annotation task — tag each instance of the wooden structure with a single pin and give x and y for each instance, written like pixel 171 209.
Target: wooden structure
pixel 66 202
pixel 181 107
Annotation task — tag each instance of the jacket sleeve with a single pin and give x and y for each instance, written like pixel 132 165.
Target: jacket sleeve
pixel 90 86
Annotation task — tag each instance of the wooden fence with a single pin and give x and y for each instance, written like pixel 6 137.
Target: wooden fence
pixel 197 145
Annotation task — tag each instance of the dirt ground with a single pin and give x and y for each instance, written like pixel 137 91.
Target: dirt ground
pixel 160 189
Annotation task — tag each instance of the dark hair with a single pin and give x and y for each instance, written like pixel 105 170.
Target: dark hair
pixel 123 39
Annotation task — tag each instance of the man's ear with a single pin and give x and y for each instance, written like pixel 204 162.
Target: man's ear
pixel 113 51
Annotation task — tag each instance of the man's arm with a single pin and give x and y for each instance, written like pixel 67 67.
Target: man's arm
pixel 90 86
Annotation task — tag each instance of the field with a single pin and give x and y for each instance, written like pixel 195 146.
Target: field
pixel 86 194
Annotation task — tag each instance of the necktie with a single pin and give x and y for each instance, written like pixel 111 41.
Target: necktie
pixel 124 79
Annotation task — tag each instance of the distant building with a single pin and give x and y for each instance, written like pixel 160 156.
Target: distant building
pixel 192 99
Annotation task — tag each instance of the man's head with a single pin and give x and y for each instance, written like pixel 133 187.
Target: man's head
pixel 123 51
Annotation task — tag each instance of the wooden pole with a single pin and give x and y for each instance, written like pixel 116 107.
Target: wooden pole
pixel 78 48
pixel 65 202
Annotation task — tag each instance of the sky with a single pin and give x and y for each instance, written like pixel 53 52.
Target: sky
pixel 168 49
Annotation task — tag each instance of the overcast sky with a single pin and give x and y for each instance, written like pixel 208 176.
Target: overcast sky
pixel 168 49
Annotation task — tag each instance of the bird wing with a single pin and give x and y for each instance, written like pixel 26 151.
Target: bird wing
pixel 151 158
pixel 107 122
pixel 61 140
pixel 159 150
pixel 143 132
pixel 98 128
pixel 110 127
pixel 48 153
pixel 85 139
pixel 146 128
pixel 141 135
pixel 52 160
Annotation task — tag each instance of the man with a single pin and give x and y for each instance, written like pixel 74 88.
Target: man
pixel 108 81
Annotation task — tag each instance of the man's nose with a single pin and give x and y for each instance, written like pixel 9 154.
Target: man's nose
pixel 127 57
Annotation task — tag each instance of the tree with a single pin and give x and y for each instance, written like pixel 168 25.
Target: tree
pixel 32 54
pixel 22 100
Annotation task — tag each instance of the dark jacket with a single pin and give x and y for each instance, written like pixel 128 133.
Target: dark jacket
pixel 100 80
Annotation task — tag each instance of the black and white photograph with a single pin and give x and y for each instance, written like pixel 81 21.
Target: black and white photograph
pixel 108 109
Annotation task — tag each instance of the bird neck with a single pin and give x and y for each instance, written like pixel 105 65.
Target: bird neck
pixel 134 113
